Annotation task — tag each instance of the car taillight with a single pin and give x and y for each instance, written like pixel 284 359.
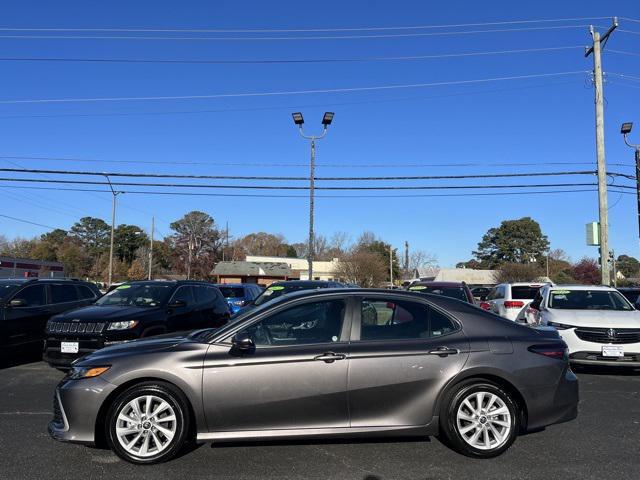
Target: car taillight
pixel 558 351
pixel 485 305
pixel 513 304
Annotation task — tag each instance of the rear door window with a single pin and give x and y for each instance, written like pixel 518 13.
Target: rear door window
pixel 63 293
pixel 85 292
pixel 205 294
pixel 401 320
pixel 184 293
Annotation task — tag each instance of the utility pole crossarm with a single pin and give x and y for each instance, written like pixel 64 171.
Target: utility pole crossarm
pixel 604 38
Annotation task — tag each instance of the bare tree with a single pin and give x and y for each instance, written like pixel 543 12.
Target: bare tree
pixel 366 269
pixel 419 259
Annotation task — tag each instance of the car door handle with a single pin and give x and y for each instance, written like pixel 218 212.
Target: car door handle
pixel 444 351
pixel 330 357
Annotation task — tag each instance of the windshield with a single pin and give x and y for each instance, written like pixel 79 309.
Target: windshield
pixel 6 289
pixel 275 291
pixel 142 295
pixel 232 292
pixel 453 292
pixel 588 300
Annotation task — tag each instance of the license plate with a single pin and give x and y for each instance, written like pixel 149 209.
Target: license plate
pixel 69 347
pixel 612 351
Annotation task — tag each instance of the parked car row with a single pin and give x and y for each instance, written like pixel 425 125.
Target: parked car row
pixel 73 319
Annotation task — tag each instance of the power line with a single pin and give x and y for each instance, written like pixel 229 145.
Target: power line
pixel 622 52
pixel 301 30
pixel 287 38
pixel 289 178
pixel 633 32
pixel 281 187
pixel 625 76
pixel 286 61
pixel 262 195
pixel 306 165
pixel 28 221
pixel 293 92
pixel 295 107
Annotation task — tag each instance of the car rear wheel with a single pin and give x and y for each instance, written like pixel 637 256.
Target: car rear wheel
pixel 480 419
pixel 148 423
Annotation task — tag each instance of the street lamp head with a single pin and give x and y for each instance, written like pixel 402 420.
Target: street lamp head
pixel 297 118
pixel 626 128
pixel 327 119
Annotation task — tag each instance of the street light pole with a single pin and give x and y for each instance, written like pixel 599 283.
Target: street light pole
pixel 299 121
pixel 113 225
pixel 626 130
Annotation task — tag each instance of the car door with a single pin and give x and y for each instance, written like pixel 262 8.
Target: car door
pixel 403 352
pixel 295 378
pixel 26 323
pixel 184 317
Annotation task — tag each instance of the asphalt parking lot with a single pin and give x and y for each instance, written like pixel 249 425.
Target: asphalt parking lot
pixel 604 442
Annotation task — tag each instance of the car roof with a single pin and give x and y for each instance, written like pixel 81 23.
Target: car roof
pixel 47 280
pixel 233 284
pixel 302 283
pixel 580 287
pixel 440 284
pixel 169 282
pixel 526 284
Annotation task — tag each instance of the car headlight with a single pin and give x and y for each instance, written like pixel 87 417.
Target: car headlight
pixel 561 326
pixel 76 373
pixel 122 325
pixel 238 303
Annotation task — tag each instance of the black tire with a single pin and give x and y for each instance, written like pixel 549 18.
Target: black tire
pixel 450 431
pixel 176 400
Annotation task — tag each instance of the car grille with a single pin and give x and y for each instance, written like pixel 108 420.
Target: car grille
pixel 75 327
pixel 609 335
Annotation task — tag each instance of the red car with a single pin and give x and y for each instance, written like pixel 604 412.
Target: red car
pixel 458 290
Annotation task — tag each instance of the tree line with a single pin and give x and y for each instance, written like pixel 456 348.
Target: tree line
pixel 519 251
pixel 197 242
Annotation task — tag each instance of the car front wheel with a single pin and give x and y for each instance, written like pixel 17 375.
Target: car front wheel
pixel 148 423
pixel 481 419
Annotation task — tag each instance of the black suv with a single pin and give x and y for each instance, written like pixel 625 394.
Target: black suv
pixel 134 310
pixel 27 304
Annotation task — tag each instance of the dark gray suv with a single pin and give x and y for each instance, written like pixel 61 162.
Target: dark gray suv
pixel 324 363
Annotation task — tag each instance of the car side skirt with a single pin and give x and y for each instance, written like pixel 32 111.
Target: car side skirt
pixel 343 432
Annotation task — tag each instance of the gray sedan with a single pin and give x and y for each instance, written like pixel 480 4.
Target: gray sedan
pixel 331 363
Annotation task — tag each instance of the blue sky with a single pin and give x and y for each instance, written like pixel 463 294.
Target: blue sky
pixel 538 120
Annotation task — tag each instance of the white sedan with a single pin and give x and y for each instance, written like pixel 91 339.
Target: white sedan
pixel 599 325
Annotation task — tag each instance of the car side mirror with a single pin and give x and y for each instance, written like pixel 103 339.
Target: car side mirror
pixel 242 342
pixel 18 302
pixel 178 304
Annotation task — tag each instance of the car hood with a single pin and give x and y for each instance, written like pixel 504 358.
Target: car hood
pixel 160 343
pixel 596 318
pixel 96 313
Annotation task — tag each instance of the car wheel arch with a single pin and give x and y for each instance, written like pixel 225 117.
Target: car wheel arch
pixel 100 432
pixel 492 377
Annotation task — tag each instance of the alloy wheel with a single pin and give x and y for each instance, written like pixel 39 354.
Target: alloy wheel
pixel 146 426
pixel 483 420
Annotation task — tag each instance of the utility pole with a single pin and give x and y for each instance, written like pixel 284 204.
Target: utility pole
pixel 612 257
pixel 113 226
pixel 153 228
pixel 596 49
pixel 406 257
pixel 391 265
pixel 299 121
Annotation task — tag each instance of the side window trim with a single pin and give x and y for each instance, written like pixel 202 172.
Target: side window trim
pixel 351 309
pixel 356 327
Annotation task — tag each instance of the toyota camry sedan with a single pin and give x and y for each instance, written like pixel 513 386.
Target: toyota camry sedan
pixel 331 363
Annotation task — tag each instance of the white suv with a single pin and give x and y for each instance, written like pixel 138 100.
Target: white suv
pixel 509 299
pixel 599 325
